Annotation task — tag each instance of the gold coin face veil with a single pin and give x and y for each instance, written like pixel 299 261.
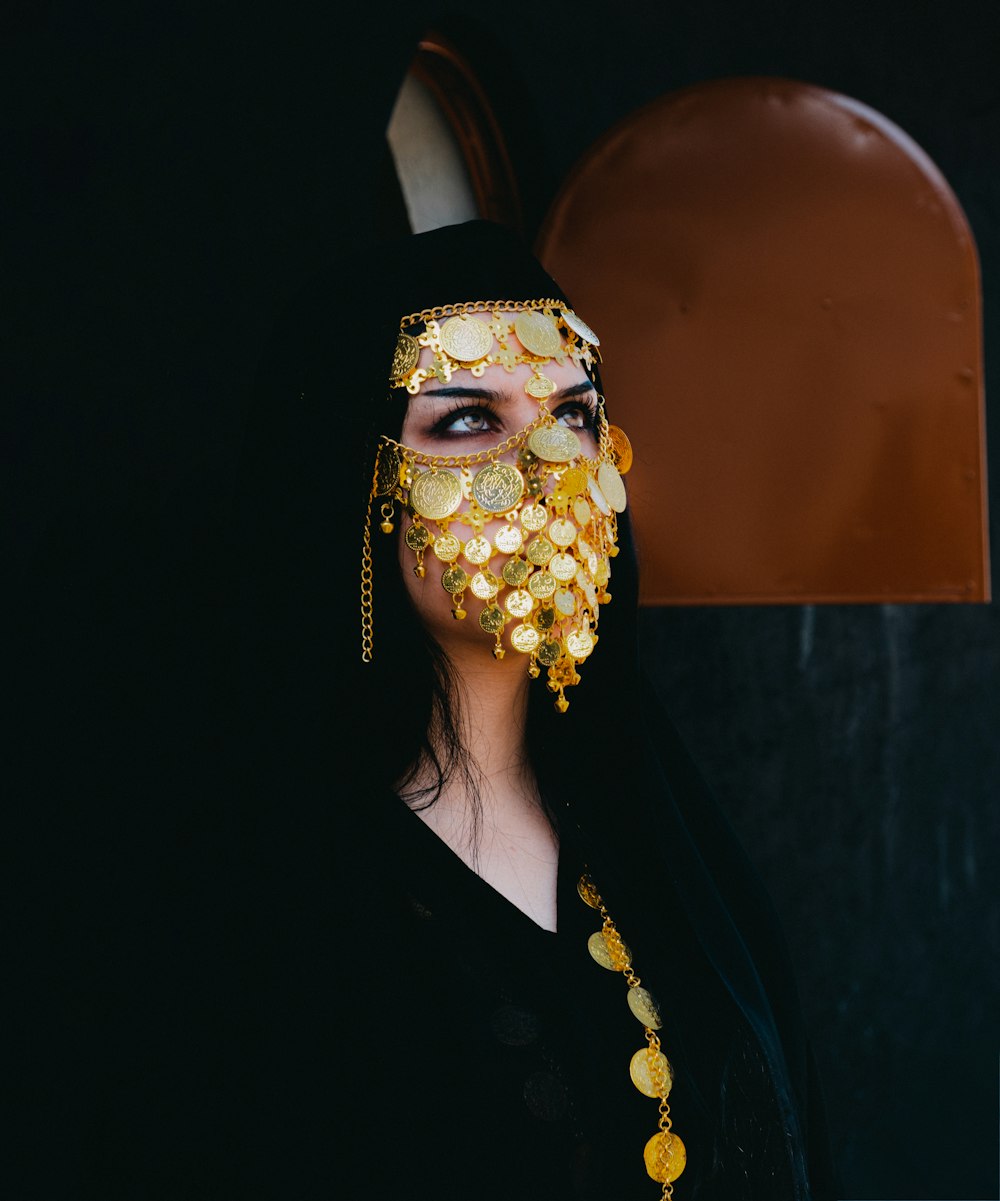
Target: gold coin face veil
pixel 520 535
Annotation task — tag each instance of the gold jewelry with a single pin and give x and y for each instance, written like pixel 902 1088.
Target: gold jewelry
pixel 545 572
pixel 548 330
pixel 664 1153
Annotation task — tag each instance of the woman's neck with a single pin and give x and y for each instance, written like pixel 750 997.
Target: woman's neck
pixel 491 816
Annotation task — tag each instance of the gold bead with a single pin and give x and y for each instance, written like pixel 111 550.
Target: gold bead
pixel 459 614
pixel 498 652
pixel 420 571
pixel 562 704
pixel 387 527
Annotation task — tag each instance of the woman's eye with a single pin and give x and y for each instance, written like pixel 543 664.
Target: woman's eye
pixel 576 417
pixel 469 421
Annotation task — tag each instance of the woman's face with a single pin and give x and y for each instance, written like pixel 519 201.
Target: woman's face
pixel 469 414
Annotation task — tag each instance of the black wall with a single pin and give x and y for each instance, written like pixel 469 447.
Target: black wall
pixel 172 173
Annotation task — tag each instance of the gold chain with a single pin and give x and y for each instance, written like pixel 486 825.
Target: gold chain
pixel 418 456
pixel 367 625
pixel 545 417
pixel 479 306
pixel 621 962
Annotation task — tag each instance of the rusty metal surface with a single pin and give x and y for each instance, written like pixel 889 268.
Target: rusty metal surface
pixel 787 295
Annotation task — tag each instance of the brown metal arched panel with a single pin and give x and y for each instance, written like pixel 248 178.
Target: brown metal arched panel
pixel 787 295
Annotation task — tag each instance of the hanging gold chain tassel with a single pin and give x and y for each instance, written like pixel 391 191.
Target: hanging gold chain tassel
pixel 664 1154
pixel 367 626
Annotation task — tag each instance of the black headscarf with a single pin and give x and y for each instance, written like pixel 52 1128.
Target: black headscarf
pixel 638 801
pixel 216 1062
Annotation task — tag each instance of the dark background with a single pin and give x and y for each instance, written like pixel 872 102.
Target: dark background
pixel 172 174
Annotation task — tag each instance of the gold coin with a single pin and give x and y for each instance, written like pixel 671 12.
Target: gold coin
pixel 588 893
pixel 563 567
pixel 498 487
pixel 664 1156
pixel 563 532
pixel 549 652
pixel 542 585
pixel 579 644
pixel 405 357
pixel 485 585
pixel 597 945
pixel 436 494
pixel 641 1070
pixel 573 482
pixel 545 619
pixel 478 550
pixel 508 539
pixel 599 499
pixel 519 603
pixel 492 619
pixel 580 327
pixel 539 386
pixel 565 602
pixel 610 483
pixel 554 444
pixel 387 467
pixel 538 333
pixel 621 448
pixel 582 512
pixel 600 952
pixel 454 580
pixel 539 550
pixel 524 639
pixel 515 572
pixel 640 1001
pixel 533 517
pixel 466 339
pixel 417 537
pixel 447 547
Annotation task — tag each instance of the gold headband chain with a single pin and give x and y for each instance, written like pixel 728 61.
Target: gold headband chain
pixel 480 306
pixel 546 330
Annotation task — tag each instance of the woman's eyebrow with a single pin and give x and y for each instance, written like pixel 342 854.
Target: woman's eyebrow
pixel 576 390
pixel 470 393
pixel 495 397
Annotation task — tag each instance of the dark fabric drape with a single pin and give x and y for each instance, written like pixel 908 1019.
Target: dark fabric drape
pixel 233 997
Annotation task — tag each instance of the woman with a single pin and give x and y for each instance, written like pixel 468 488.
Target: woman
pixel 511 947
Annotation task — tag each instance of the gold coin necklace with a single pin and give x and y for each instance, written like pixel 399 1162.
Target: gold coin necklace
pixel 664 1154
